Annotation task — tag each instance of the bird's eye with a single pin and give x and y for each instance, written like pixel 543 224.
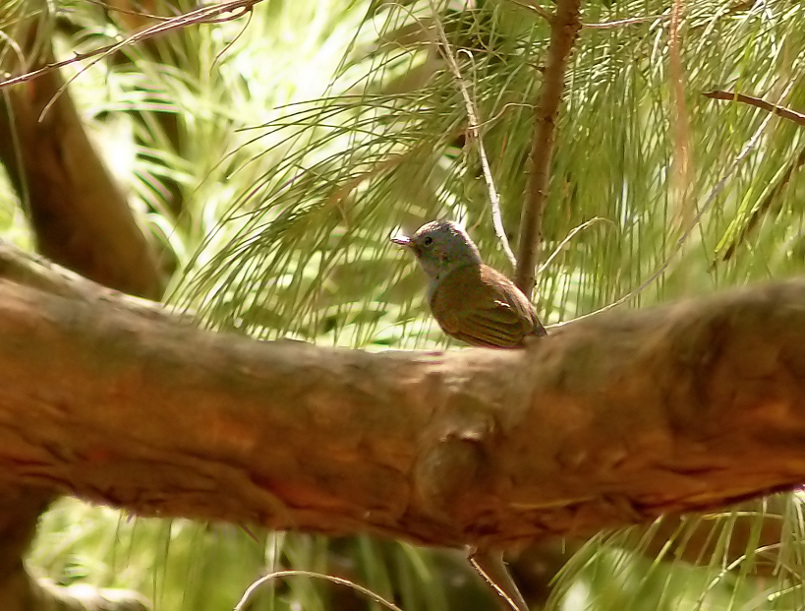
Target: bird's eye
pixel 427 241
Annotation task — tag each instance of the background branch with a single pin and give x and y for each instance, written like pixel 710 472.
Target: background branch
pixel 79 214
pixel 780 111
pixel 564 28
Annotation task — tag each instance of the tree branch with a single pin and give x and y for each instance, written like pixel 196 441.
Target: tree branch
pixel 79 214
pixel 37 272
pixel 611 421
pixel 780 111
pixel 564 29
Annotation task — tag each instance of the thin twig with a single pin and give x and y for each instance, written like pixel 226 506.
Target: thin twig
pixel 564 29
pixel 780 111
pixel 570 236
pixel 492 569
pixel 209 14
pixel 343 582
pixel 234 41
pixel 206 14
pixel 473 128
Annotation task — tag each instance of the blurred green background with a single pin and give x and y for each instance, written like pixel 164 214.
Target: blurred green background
pixel 271 157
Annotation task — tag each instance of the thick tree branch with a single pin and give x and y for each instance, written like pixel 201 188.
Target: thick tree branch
pixel 37 272
pixel 79 215
pixel 610 421
pixel 565 27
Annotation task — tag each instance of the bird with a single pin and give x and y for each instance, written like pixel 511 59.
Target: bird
pixel 470 300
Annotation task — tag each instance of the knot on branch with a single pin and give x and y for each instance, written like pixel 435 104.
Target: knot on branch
pixel 453 468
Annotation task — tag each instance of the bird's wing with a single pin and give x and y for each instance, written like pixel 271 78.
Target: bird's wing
pixel 518 302
pixel 480 308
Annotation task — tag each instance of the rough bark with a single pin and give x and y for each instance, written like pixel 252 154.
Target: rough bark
pixel 81 218
pixel 565 26
pixel 611 421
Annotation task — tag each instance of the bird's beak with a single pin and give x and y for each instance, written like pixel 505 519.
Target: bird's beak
pixel 402 241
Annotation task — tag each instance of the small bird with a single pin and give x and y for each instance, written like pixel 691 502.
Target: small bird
pixel 470 300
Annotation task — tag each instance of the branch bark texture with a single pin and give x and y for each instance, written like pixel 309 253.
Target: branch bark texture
pixel 610 421
pixel 565 27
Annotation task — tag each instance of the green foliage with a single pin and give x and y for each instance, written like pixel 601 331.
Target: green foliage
pixel 273 155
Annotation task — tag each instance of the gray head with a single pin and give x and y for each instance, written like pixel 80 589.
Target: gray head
pixel 441 247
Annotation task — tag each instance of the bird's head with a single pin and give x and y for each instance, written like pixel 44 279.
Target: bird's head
pixel 440 247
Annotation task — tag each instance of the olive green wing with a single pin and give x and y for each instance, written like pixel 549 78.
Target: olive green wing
pixel 482 308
